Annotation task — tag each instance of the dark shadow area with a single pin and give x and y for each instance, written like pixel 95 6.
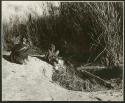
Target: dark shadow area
pixel 7 57
pixel 110 73
pixel 42 58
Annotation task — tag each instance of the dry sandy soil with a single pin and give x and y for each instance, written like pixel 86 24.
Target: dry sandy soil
pixel 32 82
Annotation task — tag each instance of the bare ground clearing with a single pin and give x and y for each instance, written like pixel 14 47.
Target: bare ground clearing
pixel 32 82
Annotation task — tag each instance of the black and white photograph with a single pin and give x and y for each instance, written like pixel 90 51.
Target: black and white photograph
pixel 62 50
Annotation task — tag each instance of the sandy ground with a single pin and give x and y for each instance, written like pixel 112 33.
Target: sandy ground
pixel 32 82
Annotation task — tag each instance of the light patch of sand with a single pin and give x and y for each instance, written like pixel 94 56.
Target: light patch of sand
pixel 29 83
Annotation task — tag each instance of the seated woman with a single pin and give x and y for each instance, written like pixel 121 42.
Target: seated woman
pixel 19 52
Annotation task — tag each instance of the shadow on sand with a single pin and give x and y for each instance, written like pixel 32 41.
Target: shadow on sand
pixel 7 57
pixel 42 58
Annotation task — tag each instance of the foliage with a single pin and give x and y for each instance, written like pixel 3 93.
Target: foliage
pixel 92 28
pixel 52 55
pixel 67 77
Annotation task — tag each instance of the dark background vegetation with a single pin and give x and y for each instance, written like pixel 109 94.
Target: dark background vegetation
pixel 91 31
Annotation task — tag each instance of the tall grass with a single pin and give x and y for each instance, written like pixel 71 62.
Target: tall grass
pixel 101 24
pixel 108 31
pixel 81 28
